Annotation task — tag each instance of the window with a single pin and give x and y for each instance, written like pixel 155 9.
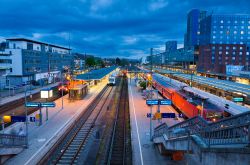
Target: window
pixel 228 21
pixel 220 52
pixel 242 32
pixel 240 53
pixel 234 48
pixel 221 32
pixel 221 27
pixel 227 47
pixel 233 58
pixel 220 47
pixel 214 37
pixel 227 53
pixel 221 21
pixel 214 32
pixel 241 48
pixel 235 32
pixel 247 53
pixel 242 21
pixel 235 21
pixel 248 27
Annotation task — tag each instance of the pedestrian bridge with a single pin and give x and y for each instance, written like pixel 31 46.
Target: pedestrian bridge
pixel 224 142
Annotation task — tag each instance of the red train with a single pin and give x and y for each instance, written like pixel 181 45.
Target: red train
pixel 189 103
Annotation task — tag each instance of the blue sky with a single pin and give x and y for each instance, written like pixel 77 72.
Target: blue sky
pixel 106 28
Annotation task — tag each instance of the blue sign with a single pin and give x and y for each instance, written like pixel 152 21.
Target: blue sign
pixel 48 104
pixel 32 119
pixel 149 115
pixel 18 118
pixel 165 102
pixel 152 102
pixel 32 104
pixel 238 99
pixel 168 115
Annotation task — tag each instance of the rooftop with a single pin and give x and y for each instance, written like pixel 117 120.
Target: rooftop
pixel 37 42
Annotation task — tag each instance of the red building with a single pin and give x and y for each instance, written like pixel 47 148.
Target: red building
pixel 215 57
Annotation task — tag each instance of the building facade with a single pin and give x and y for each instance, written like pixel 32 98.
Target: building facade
pixel 216 58
pixel 34 60
pixel 192 36
pixel 224 43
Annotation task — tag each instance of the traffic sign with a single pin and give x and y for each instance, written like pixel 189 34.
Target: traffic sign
pixel 32 119
pixel 165 102
pixel 48 104
pixel 18 118
pixel 149 115
pixel 238 99
pixel 168 115
pixel 32 104
pixel 152 102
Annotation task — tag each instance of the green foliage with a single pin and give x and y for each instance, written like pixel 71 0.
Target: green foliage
pixel 90 61
pixel 143 84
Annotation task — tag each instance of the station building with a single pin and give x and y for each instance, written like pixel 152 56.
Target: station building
pixel 27 60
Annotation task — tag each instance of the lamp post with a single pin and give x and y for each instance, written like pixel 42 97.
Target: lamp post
pixel 26 114
pixel 61 88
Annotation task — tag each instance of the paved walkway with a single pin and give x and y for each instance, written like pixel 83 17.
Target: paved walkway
pixel 41 138
pixel 4 100
pixel 144 152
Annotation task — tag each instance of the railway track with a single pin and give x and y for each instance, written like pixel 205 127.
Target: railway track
pixel 120 145
pixel 70 146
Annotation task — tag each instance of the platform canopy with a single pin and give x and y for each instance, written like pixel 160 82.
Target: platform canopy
pixel 96 74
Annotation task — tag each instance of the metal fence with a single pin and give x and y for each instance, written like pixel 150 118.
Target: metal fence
pixel 7 140
pixel 229 131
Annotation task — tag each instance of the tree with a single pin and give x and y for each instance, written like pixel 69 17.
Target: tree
pixel 100 62
pixel 90 61
pixel 118 61
pixel 143 84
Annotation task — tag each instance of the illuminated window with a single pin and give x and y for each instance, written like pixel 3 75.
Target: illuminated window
pixel 235 32
pixel 235 21
pixel 242 32
pixel 221 21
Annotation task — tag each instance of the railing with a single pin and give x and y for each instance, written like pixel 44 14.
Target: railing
pixel 7 140
pixel 229 131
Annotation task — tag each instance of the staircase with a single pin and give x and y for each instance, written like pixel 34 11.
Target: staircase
pixel 224 142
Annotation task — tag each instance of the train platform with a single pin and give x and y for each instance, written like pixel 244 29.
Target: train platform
pixel 5 100
pixel 41 138
pixel 144 151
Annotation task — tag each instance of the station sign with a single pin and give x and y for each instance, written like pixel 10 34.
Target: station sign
pixel 8 119
pixel 39 104
pixel 152 102
pixel 32 104
pixel 48 104
pixel 165 102
pixel 238 99
pixel 159 102
pixel 168 115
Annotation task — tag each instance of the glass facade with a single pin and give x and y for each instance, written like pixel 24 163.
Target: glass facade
pixel 225 29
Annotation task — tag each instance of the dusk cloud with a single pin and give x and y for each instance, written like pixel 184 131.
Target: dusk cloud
pixel 126 28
